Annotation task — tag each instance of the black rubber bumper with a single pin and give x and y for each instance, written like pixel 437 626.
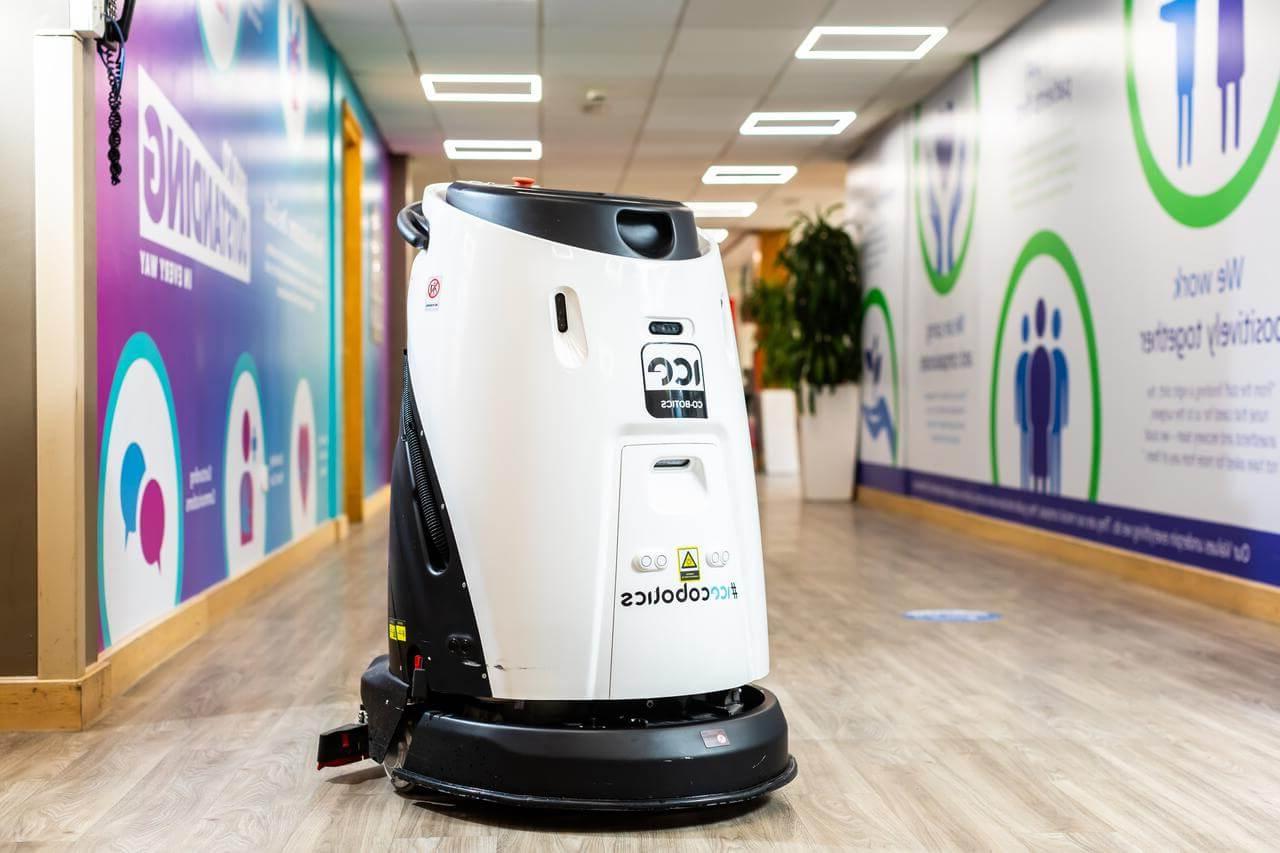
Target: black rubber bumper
pixel 664 767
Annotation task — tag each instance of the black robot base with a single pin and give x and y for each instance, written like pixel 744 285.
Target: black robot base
pixel 621 756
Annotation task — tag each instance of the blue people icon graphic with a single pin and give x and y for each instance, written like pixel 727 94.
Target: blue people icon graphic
pixel 1040 403
pixel 1230 61
pixel 1230 70
pixel 1041 396
pixel 877 416
pixel 946 189
pixel 1061 400
pixel 1182 14
pixel 1020 406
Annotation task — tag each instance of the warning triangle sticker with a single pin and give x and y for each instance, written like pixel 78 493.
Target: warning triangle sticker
pixel 689 561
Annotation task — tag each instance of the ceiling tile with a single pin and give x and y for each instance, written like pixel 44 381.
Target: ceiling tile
pixel 679 76
pixel 727 51
pixel 475 50
pixel 760 14
pixel 447 14
pixel 613 15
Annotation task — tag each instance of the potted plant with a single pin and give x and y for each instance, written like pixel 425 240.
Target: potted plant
pixel 826 295
pixel 769 307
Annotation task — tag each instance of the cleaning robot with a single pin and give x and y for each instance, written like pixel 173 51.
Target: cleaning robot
pixel 577 599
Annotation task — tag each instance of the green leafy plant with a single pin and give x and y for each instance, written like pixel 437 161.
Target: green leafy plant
pixel 825 287
pixel 769 306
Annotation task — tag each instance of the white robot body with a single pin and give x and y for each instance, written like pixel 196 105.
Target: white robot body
pixel 595 466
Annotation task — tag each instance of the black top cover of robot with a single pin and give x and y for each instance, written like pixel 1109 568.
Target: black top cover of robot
pixel 630 226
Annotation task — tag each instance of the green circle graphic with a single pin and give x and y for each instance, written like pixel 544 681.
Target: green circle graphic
pixel 1047 244
pixel 139 346
pixel 1195 211
pixel 943 284
pixel 875 299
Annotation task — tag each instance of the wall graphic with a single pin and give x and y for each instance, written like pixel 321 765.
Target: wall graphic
pixel 216 294
pixel 939 291
pixel 878 196
pixel 944 175
pixel 1093 347
pixel 245 481
pixel 303 498
pixel 139 492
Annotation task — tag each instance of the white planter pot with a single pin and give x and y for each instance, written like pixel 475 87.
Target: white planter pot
pixel 829 444
pixel 778 431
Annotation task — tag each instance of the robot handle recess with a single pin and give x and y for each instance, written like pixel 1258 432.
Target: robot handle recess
pixel 413 226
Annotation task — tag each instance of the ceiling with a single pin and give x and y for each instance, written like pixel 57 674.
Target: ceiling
pixel 680 77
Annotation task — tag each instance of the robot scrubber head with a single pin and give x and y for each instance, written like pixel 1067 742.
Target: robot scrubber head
pixel 577 602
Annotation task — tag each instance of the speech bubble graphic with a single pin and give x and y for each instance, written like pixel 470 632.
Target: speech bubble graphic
pixel 151 520
pixel 131 471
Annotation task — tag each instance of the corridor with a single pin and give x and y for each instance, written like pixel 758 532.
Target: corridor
pixel 1087 716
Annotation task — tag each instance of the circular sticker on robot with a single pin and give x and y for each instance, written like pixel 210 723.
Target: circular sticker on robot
pixel 673 381
pixel 140 492
pixel 244 486
pixel 302 461
pixel 951 615
pixel 433 288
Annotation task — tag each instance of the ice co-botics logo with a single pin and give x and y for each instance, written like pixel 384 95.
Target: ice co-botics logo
pixel 880 422
pixel 945 175
pixel 220 30
pixel 1203 84
pixel 1046 416
pixel 139 494
pixel 294 73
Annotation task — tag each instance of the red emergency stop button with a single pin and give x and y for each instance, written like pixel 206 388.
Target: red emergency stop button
pixel 522 181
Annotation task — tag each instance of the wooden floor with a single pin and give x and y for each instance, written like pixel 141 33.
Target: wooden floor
pixel 1093 715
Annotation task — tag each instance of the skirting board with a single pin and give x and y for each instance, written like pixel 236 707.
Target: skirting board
pixel 35 704
pixel 378 501
pixel 1245 597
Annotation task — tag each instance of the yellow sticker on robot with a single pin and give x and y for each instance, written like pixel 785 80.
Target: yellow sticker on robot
pixel 688 564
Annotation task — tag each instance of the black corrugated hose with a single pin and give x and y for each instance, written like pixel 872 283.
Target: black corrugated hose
pixel 421 485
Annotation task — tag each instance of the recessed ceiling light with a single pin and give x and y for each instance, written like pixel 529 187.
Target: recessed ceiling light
pixel 715 235
pixel 493 149
pixel 797 123
pixel 510 88
pixel 748 174
pixel 927 36
pixel 721 209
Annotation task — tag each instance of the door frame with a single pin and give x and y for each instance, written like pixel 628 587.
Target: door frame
pixel 352 166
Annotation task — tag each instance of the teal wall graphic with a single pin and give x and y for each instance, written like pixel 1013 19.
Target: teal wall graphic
pixel 216 300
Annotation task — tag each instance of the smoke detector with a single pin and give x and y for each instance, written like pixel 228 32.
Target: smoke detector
pixel 594 100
